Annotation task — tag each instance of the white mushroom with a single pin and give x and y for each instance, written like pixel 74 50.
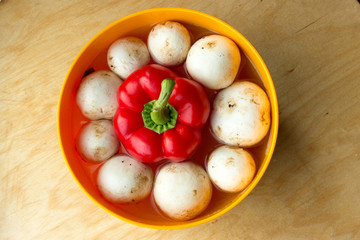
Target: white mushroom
pixel 96 96
pixel 230 168
pixel 241 114
pixel 123 179
pixel 127 55
pixel 182 190
pixel 213 61
pixel 169 43
pixel 97 140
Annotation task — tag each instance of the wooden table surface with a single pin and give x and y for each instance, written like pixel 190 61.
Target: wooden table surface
pixel 311 189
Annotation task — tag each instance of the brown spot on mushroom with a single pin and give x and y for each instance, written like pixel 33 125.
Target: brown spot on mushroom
pixel 99 129
pixel 105 74
pixel 169 24
pixel 195 192
pixel 144 179
pixel 132 40
pixel 100 152
pixel 218 131
pixel 254 94
pixel 167 51
pixel 211 44
pixel 185 215
pixel 252 100
pixel 219 100
pixel 172 169
pixel 239 141
pixel 110 58
pixel 135 189
pixel 237 150
pixel 230 161
pixel 262 118
pixel 231 105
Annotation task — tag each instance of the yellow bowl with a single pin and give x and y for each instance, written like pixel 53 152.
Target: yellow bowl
pixel 127 26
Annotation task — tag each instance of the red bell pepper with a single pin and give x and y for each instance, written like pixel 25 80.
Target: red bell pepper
pixel 170 126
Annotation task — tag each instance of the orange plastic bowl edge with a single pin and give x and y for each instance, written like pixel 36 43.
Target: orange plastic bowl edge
pixel 197 18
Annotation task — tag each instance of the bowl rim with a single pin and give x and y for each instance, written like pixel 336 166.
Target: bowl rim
pixel 272 139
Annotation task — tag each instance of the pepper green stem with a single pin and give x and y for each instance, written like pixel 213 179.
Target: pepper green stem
pixel 159 115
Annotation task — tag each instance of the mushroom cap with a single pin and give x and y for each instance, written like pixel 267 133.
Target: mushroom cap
pixel 213 61
pixel 96 96
pixel 182 190
pixel 231 168
pixel 169 43
pixel 241 114
pixel 97 140
pixel 127 55
pixel 122 179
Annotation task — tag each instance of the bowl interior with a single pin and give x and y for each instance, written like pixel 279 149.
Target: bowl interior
pixel 137 24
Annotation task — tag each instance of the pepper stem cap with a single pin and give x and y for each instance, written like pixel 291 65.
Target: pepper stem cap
pixel 158 115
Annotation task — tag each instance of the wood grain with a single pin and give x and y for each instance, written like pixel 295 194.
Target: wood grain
pixel 311 189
